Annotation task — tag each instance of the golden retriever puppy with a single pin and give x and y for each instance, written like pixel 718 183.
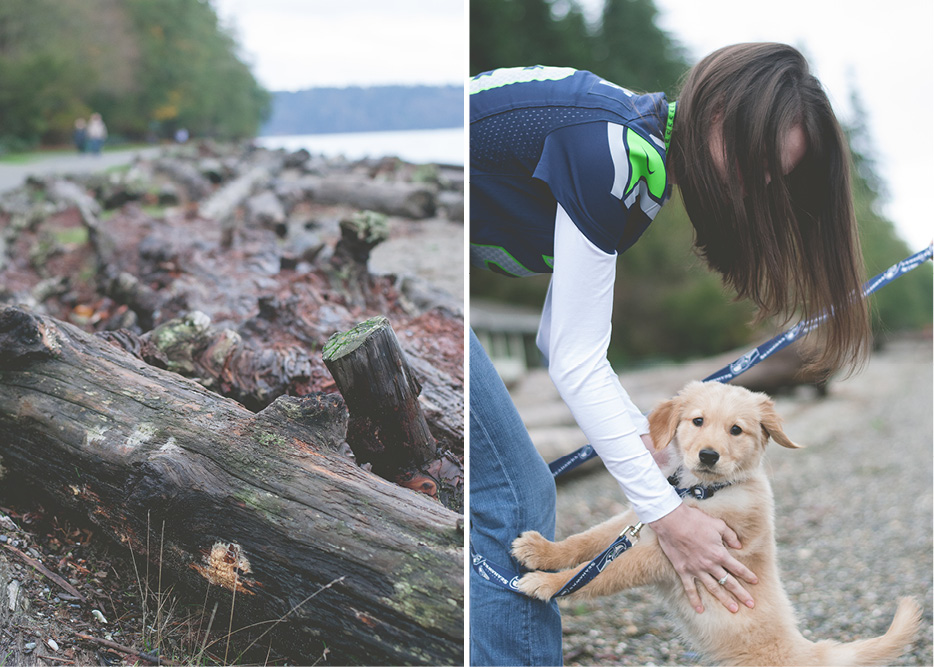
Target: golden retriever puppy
pixel 717 434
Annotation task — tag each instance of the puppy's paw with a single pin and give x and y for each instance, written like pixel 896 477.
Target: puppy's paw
pixel 540 585
pixel 532 550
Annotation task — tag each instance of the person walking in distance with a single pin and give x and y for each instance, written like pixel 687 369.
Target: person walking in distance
pixel 96 134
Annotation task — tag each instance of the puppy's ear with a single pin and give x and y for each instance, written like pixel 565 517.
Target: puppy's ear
pixel 772 425
pixel 663 421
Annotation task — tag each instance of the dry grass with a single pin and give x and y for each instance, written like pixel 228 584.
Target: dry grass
pixel 175 635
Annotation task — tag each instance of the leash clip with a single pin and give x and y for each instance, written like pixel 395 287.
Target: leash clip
pixel 632 532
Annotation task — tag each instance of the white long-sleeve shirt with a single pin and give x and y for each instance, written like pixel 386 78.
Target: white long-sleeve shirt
pixel 574 335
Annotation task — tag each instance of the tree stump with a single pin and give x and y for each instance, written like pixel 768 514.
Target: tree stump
pixel 387 428
pixel 360 233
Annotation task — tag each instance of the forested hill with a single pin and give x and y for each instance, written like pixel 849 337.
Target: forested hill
pixel 365 109
pixel 148 66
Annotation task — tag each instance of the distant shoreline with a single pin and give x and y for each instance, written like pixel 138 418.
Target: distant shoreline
pixel 263 135
pixel 439 146
pixel 359 109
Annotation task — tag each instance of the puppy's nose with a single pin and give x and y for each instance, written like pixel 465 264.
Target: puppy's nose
pixel 708 457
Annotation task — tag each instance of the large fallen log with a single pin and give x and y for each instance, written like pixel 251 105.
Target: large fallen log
pixel 257 506
pixel 410 200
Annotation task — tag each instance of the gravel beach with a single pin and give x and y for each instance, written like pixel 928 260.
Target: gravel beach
pixel 854 508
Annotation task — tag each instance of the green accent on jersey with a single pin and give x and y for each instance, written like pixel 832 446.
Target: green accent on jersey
pixel 670 124
pixel 503 259
pixel 647 165
pixel 550 261
pixel 506 76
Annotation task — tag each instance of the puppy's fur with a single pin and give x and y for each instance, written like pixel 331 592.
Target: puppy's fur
pixel 702 417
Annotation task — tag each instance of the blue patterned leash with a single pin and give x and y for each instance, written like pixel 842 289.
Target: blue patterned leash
pixel 767 349
pixel 782 340
pixel 508 578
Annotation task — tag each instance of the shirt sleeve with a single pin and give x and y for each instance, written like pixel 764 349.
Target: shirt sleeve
pixel 574 336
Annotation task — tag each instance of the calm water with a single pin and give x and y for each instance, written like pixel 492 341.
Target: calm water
pixel 416 146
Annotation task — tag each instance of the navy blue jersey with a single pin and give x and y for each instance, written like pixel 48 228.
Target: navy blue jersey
pixel 544 135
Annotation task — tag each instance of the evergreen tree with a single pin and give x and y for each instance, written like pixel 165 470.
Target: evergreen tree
pixel 907 302
pixel 52 54
pixel 631 50
pixel 518 33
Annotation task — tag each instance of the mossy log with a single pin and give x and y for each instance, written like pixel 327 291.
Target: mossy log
pixel 360 233
pixel 257 507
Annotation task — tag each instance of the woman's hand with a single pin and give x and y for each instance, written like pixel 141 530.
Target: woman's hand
pixel 694 543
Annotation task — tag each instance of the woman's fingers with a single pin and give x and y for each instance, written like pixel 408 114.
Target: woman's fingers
pixel 730 538
pixel 739 571
pixel 694 543
pixel 723 594
pixel 690 588
pixel 733 585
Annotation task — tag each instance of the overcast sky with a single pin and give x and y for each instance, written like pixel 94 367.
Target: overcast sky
pixel 882 50
pixel 298 44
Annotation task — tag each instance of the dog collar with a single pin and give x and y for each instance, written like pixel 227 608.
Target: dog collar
pixel 698 491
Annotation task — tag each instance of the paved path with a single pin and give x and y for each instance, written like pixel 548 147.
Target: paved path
pixel 14 175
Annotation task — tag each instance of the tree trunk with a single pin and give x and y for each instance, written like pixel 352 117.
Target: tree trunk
pixel 260 504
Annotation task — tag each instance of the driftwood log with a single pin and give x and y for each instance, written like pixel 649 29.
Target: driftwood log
pixel 258 507
pixel 782 372
pixel 409 200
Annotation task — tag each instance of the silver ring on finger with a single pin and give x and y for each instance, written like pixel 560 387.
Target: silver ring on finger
pixel 722 581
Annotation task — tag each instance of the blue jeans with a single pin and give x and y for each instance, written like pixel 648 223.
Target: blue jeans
pixel 511 490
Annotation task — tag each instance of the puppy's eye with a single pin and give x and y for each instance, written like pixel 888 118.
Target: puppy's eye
pixel 698 421
pixel 736 430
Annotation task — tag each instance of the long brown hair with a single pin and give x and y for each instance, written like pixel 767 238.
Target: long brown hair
pixel 789 245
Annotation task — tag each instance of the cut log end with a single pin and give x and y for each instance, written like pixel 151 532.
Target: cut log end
pixel 343 343
pixel 360 233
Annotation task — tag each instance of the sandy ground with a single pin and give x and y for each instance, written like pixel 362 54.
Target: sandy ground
pixel 431 249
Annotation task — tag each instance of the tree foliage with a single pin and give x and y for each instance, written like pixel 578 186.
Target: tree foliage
pixel 667 303
pixel 907 302
pixel 625 46
pixel 148 66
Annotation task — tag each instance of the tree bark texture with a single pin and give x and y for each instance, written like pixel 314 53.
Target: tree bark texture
pixel 259 507
pixel 387 428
